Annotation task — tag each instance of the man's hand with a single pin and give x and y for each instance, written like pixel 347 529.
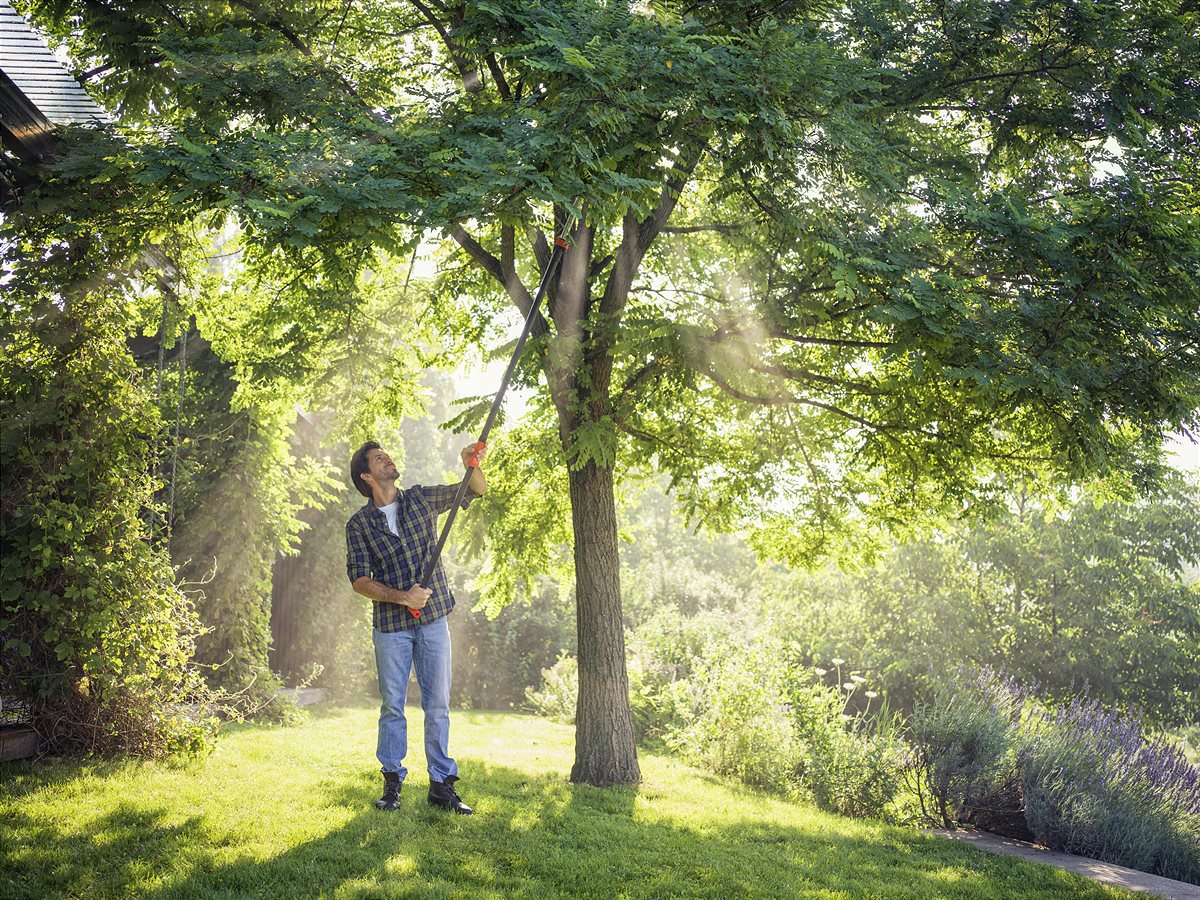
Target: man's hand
pixel 469 450
pixel 415 597
pixel 477 483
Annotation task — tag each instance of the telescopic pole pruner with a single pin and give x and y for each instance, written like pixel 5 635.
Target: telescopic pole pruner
pixel 560 247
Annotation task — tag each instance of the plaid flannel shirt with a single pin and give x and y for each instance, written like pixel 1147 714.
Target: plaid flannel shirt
pixel 398 561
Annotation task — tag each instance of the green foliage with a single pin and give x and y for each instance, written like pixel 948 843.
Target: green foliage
pixel 739 723
pixel 938 246
pixel 850 765
pixel 1189 741
pixel 523 520
pixel 329 641
pixel 97 638
pixel 756 716
pixel 665 651
pixel 738 706
pixel 228 375
pixel 228 546
pixel 557 695
pixel 499 659
pixel 667 566
pixel 1086 592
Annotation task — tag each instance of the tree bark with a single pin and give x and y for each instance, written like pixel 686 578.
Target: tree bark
pixel 605 751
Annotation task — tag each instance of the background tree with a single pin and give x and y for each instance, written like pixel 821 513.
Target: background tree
pixel 842 261
pixel 1089 595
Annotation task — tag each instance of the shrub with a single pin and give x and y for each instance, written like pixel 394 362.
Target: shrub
pixel 659 699
pixel 1094 785
pixel 319 624
pixel 504 654
pixel 663 655
pixel 963 743
pixel 1086 779
pixel 849 764
pixel 1189 742
pixel 95 637
pixel 739 721
pixel 557 697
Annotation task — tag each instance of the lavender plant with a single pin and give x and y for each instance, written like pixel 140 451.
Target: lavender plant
pixel 962 743
pixel 1096 785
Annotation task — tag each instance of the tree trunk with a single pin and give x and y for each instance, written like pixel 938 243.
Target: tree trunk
pixel 605 752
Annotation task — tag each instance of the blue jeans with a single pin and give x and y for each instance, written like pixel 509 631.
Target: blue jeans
pixel 428 648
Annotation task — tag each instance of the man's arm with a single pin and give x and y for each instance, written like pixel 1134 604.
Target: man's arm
pixel 414 598
pixel 358 570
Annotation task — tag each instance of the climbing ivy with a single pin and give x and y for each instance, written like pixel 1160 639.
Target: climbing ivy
pixel 95 636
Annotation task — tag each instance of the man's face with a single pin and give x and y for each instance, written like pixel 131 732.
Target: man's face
pixel 380 468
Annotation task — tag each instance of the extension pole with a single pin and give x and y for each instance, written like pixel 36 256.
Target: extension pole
pixel 560 247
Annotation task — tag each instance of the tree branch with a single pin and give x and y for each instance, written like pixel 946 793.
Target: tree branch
pixel 623 425
pixel 274 23
pixel 100 70
pixel 649 228
pixel 947 88
pixel 508 249
pixel 476 251
pixel 997 76
pixel 793 374
pixel 692 229
pixel 263 18
pixel 826 342
pixel 540 247
pixel 572 292
pixel 655 365
pixel 512 285
pixel 498 76
pixel 600 265
pixel 780 399
pixel 470 78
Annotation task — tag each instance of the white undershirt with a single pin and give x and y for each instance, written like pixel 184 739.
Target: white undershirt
pixel 392 513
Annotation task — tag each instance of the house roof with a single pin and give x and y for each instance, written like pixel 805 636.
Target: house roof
pixel 39 76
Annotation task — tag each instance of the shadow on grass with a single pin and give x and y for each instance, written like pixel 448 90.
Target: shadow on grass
pixel 532 836
pixel 120 850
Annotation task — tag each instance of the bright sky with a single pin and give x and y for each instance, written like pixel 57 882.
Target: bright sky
pixel 1186 455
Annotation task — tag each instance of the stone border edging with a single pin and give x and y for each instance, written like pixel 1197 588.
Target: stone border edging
pixel 1120 876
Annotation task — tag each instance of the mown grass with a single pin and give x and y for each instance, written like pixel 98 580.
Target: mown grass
pixel 286 812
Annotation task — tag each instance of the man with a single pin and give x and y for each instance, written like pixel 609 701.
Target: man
pixel 388 545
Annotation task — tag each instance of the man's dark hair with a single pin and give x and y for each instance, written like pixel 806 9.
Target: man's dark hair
pixel 359 465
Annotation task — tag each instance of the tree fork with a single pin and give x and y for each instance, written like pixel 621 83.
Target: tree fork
pixel 605 750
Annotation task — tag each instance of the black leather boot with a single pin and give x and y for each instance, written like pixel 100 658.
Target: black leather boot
pixel 391 792
pixel 443 794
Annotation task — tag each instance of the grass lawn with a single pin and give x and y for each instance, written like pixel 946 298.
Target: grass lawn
pixel 287 812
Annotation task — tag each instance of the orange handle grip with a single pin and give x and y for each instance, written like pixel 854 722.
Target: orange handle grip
pixel 473 459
